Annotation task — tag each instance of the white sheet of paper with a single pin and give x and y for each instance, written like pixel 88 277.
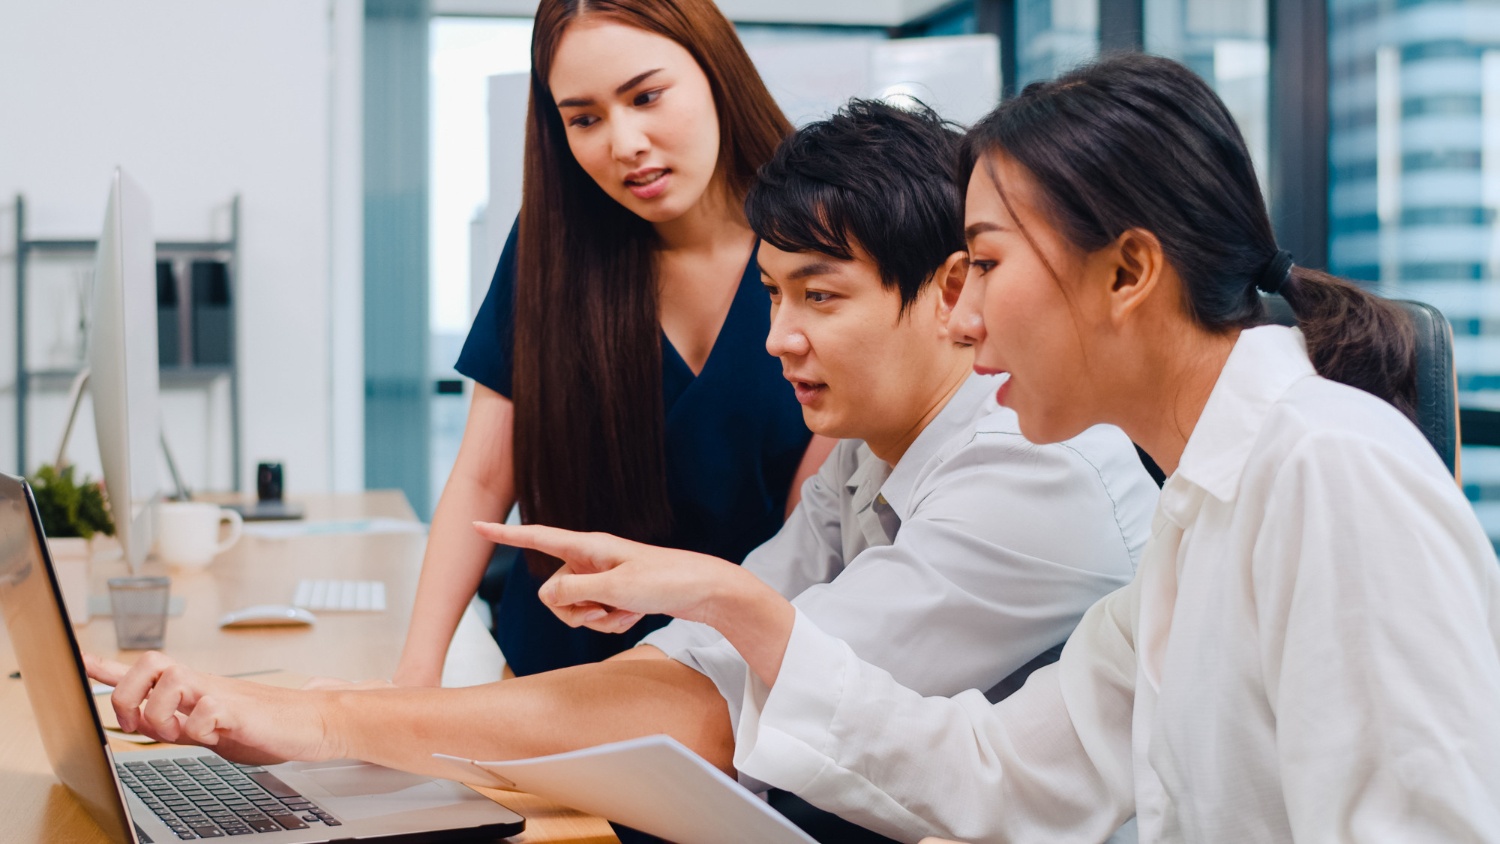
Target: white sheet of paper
pixel 652 784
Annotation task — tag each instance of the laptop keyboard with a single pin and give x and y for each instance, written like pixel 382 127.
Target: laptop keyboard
pixel 209 797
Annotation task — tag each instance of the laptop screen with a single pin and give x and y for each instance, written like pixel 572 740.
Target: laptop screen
pixel 51 667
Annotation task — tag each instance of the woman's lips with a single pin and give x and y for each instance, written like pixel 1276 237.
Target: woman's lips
pixel 649 184
pixel 1004 387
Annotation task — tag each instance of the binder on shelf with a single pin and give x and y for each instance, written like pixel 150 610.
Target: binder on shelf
pixel 212 339
pixel 168 308
pixel 176 293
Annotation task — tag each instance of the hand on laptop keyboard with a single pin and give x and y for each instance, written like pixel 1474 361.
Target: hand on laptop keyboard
pixel 243 721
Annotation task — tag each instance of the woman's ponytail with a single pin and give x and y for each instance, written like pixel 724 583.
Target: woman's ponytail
pixel 1355 337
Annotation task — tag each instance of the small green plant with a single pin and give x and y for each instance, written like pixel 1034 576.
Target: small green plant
pixel 69 508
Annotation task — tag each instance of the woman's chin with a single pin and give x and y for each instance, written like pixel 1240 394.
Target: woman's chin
pixel 652 211
pixel 679 199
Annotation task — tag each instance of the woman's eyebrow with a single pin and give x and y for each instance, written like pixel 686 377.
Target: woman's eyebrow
pixel 582 102
pixel 976 229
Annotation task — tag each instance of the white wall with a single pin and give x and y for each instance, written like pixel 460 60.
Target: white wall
pixel 201 101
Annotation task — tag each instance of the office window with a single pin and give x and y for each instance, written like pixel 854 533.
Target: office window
pixel 958 20
pixel 1052 36
pixel 1225 43
pixel 1414 179
pixel 464 53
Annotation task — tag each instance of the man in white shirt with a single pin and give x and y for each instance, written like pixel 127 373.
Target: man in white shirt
pixel 936 541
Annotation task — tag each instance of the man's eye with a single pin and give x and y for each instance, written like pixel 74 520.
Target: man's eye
pixel 982 266
pixel 771 290
pixel 818 297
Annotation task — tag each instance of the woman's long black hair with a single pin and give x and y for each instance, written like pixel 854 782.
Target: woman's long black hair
pixel 1138 141
pixel 589 428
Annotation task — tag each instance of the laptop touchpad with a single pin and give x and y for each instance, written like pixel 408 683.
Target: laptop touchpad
pixel 356 780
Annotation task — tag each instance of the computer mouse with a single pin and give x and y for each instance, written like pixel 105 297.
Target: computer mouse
pixel 268 615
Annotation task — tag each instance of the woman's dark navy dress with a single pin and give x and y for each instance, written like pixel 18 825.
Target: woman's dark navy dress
pixel 734 438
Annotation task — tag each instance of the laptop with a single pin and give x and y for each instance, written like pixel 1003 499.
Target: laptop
pixel 183 793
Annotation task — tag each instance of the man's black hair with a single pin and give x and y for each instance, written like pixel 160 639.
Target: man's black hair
pixel 875 175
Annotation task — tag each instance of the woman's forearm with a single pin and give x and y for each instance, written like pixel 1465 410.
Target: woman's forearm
pixel 756 619
pixel 531 716
pixel 482 487
pixel 452 568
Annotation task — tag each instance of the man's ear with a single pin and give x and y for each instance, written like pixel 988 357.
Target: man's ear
pixel 949 279
pixel 1137 264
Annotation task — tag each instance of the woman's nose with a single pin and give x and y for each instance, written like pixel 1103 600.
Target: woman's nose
pixel 965 323
pixel 628 141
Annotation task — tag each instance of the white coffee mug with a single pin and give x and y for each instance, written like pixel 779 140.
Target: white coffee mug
pixel 187 532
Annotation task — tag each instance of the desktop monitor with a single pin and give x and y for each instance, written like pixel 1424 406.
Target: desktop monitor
pixel 124 378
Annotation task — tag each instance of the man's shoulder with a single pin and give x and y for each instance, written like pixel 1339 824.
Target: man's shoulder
pixel 991 443
pixel 994 433
pixel 994 445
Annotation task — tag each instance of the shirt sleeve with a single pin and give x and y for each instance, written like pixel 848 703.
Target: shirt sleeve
pixel 1050 763
pixel 1380 647
pixel 489 350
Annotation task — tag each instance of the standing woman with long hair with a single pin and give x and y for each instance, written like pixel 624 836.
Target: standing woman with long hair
pixel 622 381
pixel 1310 649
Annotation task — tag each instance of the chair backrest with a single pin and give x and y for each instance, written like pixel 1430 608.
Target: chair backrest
pixel 1437 389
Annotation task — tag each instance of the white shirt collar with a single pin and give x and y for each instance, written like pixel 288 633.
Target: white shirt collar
pixel 1265 362
pixel 898 483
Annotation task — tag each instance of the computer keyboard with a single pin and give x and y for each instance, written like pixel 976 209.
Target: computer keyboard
pixel 209 797
pixel 340 595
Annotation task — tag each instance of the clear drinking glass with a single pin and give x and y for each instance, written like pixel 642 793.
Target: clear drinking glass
pixel 139 605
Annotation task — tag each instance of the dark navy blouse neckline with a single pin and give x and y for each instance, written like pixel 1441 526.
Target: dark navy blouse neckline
pixel 677 376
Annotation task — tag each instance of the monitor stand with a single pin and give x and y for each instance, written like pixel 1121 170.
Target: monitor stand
pixel 99 605
pixel 75 398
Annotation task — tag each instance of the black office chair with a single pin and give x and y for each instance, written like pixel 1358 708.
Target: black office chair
pixel 1437 385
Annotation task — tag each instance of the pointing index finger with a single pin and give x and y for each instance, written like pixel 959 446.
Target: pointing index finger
pixel 105 671
pixel 563 544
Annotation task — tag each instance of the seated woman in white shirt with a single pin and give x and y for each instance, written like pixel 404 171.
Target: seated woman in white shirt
pixel 1309 648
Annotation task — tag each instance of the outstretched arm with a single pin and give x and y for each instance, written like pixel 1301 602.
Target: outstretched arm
pixel 608 584
pixel 402 727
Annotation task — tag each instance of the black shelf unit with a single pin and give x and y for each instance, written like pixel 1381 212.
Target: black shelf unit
pixel 171 376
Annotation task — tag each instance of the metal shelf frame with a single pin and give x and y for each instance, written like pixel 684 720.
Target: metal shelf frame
pixel 172 376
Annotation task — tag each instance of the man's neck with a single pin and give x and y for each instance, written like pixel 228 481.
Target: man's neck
pixel 892 447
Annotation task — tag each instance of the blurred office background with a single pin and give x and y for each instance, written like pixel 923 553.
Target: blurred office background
pixel 362 157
